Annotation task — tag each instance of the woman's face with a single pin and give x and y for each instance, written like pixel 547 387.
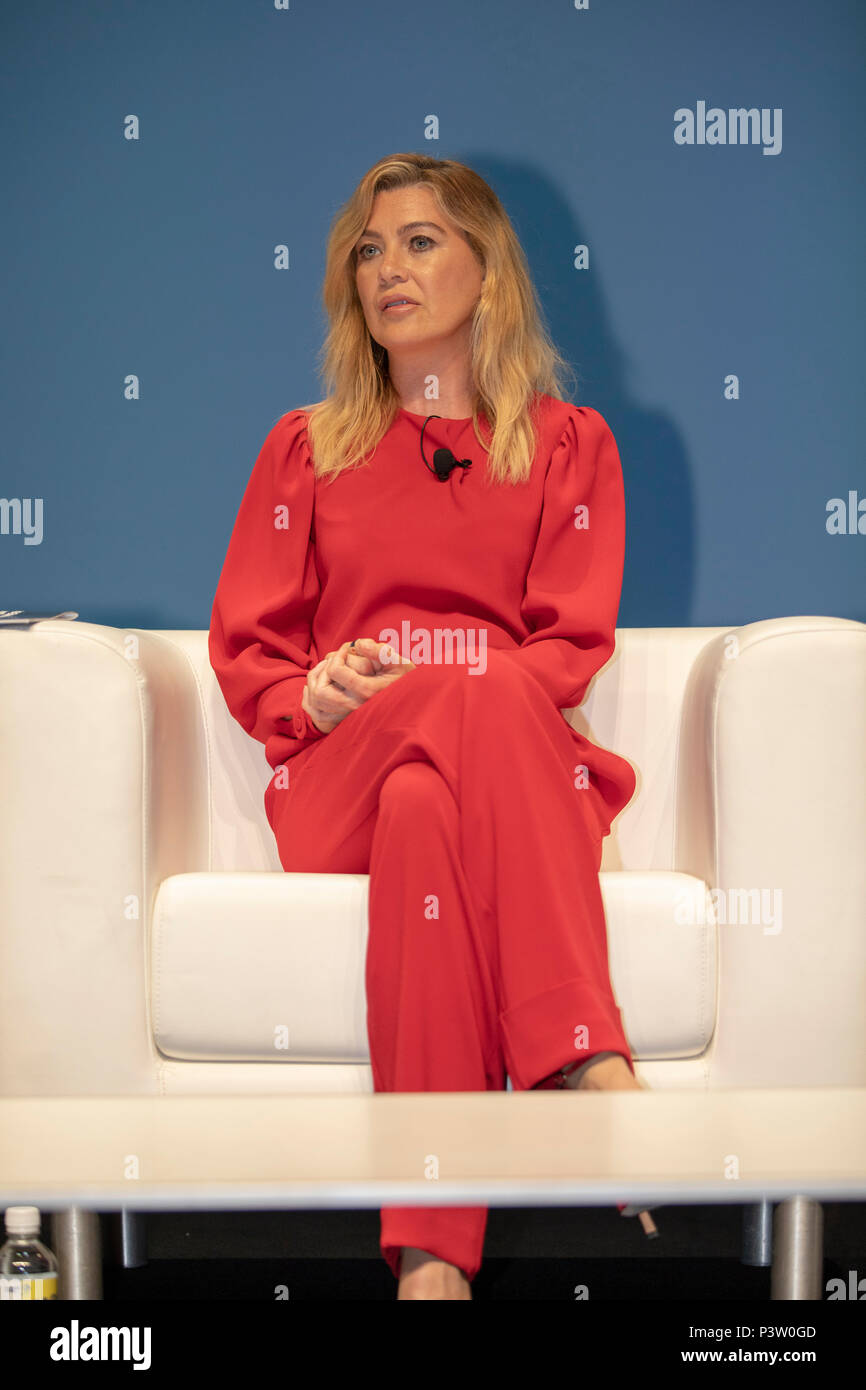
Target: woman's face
pixel 430 264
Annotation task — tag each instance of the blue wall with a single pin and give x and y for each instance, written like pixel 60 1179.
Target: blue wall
pixel 155 257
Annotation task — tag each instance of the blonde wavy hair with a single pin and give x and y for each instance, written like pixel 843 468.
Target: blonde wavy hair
pixel 512 356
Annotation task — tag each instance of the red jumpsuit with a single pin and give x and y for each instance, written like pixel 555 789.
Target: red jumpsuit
pixel 476 809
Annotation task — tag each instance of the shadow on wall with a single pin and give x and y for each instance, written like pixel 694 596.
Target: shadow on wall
pixel 660 505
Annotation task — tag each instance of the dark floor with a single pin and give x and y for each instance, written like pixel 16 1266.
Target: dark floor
pixel 530 1253
pixel 347 1280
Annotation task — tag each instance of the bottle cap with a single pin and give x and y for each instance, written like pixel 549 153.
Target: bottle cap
pixel 22 1220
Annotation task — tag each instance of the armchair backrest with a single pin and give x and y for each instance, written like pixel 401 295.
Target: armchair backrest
pixel 634 706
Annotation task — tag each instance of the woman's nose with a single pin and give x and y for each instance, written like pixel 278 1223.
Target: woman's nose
pixel 391 266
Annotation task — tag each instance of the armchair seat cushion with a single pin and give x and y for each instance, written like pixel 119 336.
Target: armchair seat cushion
pixel 266 967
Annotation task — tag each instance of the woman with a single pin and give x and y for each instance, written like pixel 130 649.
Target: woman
pixel 402 625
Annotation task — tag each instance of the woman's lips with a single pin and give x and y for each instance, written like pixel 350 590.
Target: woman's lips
pixel 398 308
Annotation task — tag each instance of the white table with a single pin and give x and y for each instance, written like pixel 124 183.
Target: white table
pixel 795 1146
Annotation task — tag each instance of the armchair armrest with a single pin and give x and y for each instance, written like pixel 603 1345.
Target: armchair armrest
pixel 772 758
pixel 103 760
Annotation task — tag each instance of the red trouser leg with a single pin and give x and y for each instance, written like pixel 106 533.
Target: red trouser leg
pixel 515 967
pixel 431 995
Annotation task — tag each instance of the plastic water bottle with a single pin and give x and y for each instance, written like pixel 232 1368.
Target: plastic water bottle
pixel 28 1269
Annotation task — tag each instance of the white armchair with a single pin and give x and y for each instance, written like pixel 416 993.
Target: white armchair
pixel 150 942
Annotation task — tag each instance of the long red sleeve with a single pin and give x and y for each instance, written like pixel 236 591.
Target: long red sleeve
pixel 260 629
pixel 574 580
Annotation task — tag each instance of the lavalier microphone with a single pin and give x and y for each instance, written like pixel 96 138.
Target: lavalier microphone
pixel 444 461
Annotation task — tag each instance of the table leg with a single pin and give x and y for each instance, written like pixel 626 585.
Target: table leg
pixel 757 1234
pixel 76 1240
pixel 127 1238
pixel 798 1250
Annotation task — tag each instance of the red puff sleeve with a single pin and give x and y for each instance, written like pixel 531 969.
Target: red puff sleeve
pixel 574 579
pixel 260 635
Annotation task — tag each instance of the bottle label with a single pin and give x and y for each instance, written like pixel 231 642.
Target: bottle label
pixel 27 1286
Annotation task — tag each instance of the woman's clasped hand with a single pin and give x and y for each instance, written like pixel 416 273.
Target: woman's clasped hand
pixel 346 678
